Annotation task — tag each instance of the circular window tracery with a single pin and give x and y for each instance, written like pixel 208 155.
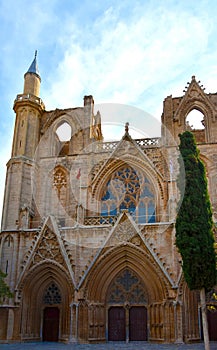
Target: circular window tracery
pixel 128 189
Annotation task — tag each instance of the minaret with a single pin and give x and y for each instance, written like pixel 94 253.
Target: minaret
pixel 32 79
pixel 29 108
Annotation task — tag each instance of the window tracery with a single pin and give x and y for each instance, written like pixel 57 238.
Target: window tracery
pixel 59 180
pixel 52 295
pixel 127 288
pixel 128 189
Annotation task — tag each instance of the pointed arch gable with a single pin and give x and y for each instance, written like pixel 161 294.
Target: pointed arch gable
pixel 201 105
pixel 47 247
pixel 118 259
pixel 194 98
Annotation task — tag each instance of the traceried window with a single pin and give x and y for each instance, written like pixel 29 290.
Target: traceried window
pixel 59 180
pixel 128 189
pixel 127 287
pixel 60 195
pixel 52 295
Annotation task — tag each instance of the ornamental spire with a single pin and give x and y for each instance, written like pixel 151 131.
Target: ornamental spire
pixel 34 66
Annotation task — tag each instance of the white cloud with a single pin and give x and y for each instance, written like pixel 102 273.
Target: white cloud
pixel 119 60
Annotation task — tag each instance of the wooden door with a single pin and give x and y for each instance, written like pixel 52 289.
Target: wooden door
pixel 51 324
pixel 138 323
pixel 116 324
pixel 212 325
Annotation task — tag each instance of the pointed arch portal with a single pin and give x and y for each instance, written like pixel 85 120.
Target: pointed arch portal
pixel 127 318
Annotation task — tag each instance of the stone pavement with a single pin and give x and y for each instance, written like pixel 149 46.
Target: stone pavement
pixel 106 346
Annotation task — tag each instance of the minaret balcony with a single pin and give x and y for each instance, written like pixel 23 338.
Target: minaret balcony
pixel 30 98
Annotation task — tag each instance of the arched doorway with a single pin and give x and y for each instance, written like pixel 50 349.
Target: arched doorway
pixel 51 314
pixel 127 311
pixel 51 324
pixel 45 287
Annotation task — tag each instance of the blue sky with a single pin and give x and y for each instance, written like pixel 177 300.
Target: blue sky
pixel 129 52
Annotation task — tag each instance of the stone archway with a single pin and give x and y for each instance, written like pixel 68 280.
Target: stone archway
pixel 127 308
pixel 109 266
pixel 46 288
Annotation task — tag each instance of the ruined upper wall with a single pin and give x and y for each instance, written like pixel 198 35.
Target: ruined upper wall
pixel 176 110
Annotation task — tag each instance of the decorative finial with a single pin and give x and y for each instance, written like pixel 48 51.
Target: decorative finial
pixel 36 52
pixel 127 128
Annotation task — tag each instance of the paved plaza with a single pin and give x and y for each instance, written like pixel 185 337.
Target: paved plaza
pixel 109 346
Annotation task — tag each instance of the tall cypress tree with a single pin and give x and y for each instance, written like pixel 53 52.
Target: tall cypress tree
pixel 194 225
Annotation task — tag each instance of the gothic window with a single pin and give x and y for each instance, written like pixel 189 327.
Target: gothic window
pixel 128 189
pixel 52 295
pixel 195 120
pixel 64 132
pixel 59 180
pixel 127 288
pixel 60 194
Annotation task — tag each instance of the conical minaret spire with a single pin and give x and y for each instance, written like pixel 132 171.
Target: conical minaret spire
pixel 34 66
pixel 32 79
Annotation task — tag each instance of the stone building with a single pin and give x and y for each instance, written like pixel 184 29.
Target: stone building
pixel 88 227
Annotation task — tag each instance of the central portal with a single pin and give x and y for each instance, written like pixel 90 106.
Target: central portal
pixel 127 311
pixel 126 324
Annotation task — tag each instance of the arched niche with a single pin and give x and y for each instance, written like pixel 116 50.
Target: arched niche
pixel 7 255
pixel 60 197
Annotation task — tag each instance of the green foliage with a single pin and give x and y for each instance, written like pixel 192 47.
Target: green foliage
pixel 4 289
pixel 194 225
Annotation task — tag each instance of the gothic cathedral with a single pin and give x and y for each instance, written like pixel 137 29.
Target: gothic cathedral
pixel 88 226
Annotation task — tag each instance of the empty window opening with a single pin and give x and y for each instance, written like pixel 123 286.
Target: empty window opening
pixel 195 120
pixel 64 132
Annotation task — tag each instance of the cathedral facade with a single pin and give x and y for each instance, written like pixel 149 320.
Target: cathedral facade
pixel 88 227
